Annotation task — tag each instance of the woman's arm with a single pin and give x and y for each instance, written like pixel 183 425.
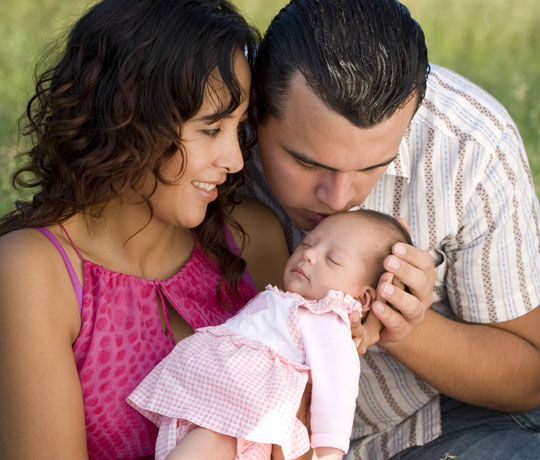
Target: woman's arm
pixel 266 250
pixel 41 408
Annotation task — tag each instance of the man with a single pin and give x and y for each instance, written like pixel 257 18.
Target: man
pixel 347 116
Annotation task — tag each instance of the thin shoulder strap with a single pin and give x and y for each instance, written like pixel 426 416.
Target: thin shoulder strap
pixel 72 243
pixel 71 271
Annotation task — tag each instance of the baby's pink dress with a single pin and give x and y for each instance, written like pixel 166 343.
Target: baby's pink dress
pixel 238 386
pixel 122 339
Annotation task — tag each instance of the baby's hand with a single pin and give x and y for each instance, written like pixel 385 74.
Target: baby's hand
pixel 327 453
pixel 364 334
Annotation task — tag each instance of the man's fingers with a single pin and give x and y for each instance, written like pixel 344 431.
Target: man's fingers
pixel 389 318
pixel 419 280
pixel 407 304
pixel 404 292
pixel 415 257
pixel 386 277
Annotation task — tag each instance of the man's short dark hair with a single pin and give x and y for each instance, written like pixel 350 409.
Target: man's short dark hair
pixel 363 58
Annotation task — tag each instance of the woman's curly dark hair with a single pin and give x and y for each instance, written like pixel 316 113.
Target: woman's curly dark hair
pixel 112 108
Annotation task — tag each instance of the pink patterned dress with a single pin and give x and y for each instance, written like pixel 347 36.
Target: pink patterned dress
pixel 239 386
pixel 122 339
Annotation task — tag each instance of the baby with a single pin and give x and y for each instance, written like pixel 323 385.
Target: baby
pixel 231 391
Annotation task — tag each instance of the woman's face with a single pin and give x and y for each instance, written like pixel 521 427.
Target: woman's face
pixel 211 151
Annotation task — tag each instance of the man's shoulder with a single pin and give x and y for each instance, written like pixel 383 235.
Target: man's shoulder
pixel 458 108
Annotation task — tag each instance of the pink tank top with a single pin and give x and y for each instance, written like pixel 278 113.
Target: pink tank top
pixel 122 339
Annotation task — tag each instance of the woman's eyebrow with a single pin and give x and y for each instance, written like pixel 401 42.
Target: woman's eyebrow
pixel 215 116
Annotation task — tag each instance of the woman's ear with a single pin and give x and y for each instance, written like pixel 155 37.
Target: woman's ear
pixel 366 297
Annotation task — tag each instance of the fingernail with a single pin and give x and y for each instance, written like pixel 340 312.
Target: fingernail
pixel 400 249
pixel 355 316
pixel 377 307
pixel 393 263
pixel 388 289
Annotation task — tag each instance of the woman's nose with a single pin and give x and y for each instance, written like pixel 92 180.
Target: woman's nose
pixel 231 158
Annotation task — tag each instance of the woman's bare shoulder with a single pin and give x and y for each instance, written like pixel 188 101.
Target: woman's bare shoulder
pixel 27 251
pixel 265 250
pixel 34 280
pixel 256 219
pixel 39 323
pixel 23 249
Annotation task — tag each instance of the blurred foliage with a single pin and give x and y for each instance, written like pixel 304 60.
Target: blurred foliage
pixel 492 42
pixel 495 44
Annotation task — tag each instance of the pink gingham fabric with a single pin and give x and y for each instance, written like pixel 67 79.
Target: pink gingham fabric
pixel 234 385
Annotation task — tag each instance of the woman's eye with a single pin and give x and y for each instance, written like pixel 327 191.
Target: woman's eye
pixel 211 132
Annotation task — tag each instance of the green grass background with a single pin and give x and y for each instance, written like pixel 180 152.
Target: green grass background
pixel 491 42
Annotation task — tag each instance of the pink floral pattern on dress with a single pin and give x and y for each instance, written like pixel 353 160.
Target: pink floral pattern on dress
pixel 122 339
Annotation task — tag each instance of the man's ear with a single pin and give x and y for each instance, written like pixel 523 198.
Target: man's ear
pixel 366 297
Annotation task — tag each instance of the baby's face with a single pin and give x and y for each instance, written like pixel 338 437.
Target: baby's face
pixel 330 257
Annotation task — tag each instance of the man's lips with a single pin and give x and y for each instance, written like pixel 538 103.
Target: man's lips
pixel 300 271
pixel 316 217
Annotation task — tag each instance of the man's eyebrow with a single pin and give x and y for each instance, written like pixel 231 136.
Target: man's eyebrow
pixel 308 161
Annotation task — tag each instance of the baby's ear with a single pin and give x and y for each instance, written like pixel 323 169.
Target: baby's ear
pixel 366 297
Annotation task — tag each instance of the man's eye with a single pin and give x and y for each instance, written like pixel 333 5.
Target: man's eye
pixel 371 170
pixel 303 165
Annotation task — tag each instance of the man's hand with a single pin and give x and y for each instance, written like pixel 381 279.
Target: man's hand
pixel 408 287
pixel 405 291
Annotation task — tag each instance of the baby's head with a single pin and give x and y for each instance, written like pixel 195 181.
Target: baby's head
pixel 345 252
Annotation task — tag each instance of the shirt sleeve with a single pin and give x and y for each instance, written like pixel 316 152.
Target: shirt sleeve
pixel 335 370
pixel 494 260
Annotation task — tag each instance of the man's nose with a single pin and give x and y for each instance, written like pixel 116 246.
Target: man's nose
pixel 335 190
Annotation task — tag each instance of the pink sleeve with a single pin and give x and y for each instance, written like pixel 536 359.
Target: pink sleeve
pixel 335 370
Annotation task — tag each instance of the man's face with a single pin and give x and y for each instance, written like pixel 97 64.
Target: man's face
pixel 317 163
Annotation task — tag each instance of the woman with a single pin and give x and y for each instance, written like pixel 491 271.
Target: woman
pixel 126 246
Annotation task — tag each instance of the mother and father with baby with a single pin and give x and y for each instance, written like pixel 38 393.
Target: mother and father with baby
pixel 147 224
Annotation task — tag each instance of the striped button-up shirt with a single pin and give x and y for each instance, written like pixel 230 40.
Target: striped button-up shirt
pixel 462 181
